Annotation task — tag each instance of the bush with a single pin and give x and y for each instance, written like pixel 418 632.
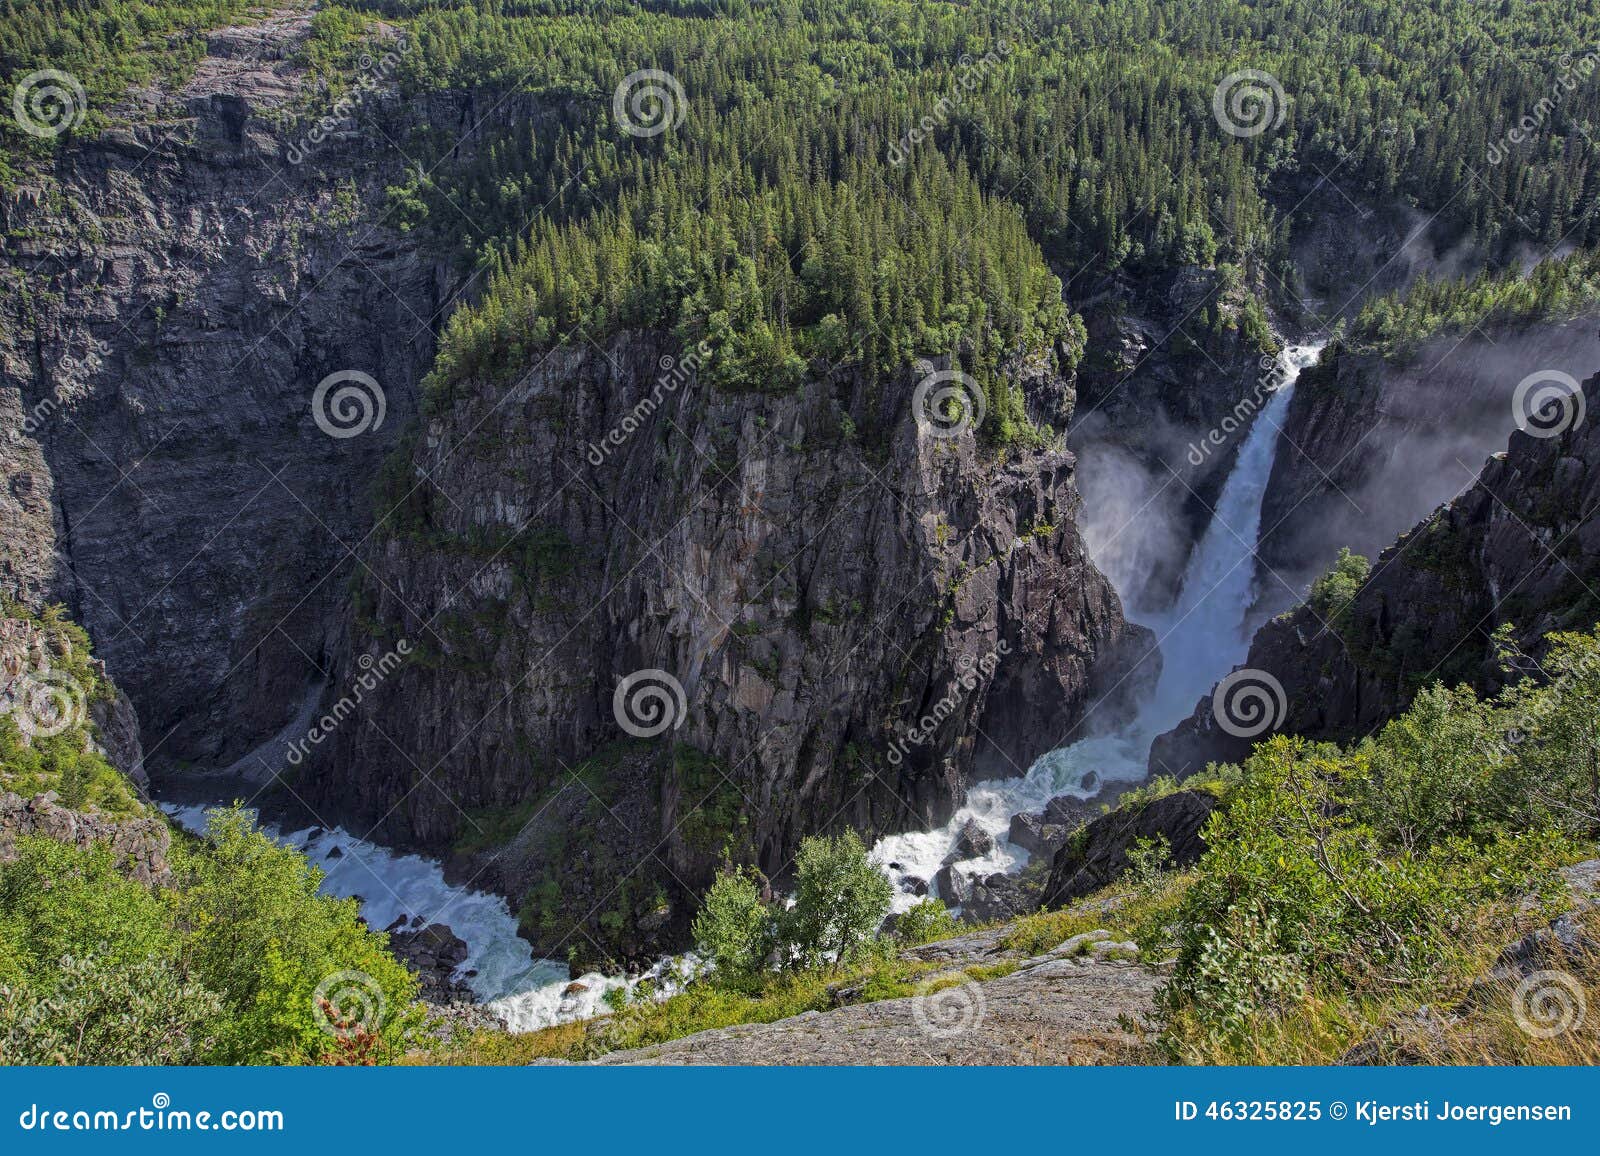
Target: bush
pixel 225 967
pixel 926 922
pixel 734 929
pixel 104 1012
pixel 841 899
pixel 1297 890
pixel 260 934
pixel 1332 594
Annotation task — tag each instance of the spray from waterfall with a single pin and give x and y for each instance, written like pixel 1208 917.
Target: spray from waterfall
pixel 1202 636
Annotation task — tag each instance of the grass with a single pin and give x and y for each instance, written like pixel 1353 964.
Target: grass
pixel 1457 1017
pixel 1461 1019
pixel 1128 911
pixel 704 1005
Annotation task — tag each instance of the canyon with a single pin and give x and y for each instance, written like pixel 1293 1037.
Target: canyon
pixel 184 288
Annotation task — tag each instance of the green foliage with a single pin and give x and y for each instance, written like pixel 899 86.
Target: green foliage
pixel 841 899
pixel 1350 873
pixel 1332 593
pixel 103 1011
pixel 260 934
pixel 221 968
pixel 734 929
pixel 68 763
pixel 1557 289
pixel 925 922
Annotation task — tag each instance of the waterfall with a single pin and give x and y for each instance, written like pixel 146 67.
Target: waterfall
pixel 1201 636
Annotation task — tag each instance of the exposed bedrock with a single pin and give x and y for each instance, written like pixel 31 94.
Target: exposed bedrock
pixel 860 630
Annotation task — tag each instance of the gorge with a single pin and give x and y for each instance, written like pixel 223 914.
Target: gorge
pixel 548 461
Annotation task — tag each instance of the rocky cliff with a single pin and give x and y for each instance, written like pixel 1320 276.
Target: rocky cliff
pixel 1371 445
pixel 1521 547
pixel 176 288
pixel 1168 359
pixel 858 630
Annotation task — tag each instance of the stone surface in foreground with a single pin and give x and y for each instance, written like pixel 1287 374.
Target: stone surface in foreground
pixel 1060 1008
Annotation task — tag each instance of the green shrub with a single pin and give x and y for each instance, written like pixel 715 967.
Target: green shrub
pixel 1332 594
pixel 1297 890
pixel 926 922
pixel 258 932
pixel 734 929
pixel 841 899
pixel 101 1011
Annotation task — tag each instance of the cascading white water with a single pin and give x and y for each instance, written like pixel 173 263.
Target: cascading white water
pixel 1201 637
pixel 500 968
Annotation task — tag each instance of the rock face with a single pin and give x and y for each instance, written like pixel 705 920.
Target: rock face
pixel 1369 447
pixel 25 648
pixel 816 599
pixel 1521 546
pixel 1099 853
pixel 161 470
pixel 139 845
pixel 1154 379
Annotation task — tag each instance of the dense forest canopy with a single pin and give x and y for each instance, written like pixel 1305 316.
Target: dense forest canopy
pixel 869 181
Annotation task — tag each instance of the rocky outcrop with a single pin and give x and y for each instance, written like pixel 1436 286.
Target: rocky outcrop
pixel 1167 360
pixel 1074 1004
pixel 161 470
pixel 1519 547
pixel 140 846
pixel 858 630
pixel 1098 854
pixel 27 648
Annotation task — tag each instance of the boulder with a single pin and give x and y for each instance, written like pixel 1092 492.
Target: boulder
pixel 434 952
pixel 1033 834
pixel 998 897
pixel 955 887
pixel 1100 854
pixel 972 843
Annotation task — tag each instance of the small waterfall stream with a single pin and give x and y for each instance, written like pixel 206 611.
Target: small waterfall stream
pixel 1202 637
